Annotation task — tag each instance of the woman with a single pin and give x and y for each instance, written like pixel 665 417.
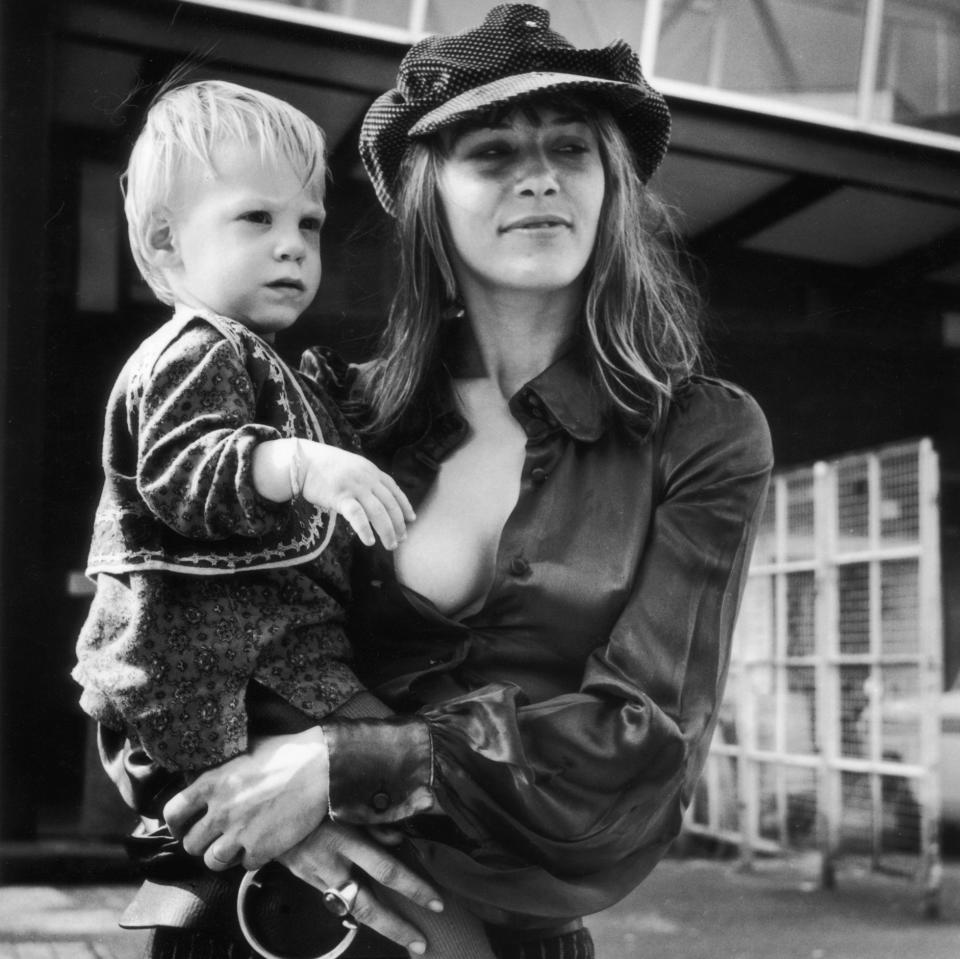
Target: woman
pixel 554 632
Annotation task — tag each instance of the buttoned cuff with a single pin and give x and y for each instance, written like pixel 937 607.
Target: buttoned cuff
pixel 381 770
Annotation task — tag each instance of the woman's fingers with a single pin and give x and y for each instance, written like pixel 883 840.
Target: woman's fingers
pixel 367 909
pixel 184 810
pixel 324 870
pixel 370 911
pixel 386 868
pixel 332 851
pixel 192 820
pixel 221 855
pixel 262 802
pixel 386 835
pixel 200 837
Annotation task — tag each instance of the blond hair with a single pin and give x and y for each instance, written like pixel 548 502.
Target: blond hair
pixel 640 316
pixel 186 124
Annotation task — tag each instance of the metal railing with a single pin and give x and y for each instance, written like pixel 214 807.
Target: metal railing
pixel 829 734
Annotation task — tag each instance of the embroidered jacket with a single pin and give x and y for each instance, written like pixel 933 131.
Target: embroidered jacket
pixel 182 421
pixel 203 585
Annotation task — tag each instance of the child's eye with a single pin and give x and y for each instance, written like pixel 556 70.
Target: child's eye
pixel 256 216
pixel 311 223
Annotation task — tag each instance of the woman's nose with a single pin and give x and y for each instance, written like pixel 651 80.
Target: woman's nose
pixel 536 176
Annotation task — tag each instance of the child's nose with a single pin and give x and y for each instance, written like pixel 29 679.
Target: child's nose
pixel 291 246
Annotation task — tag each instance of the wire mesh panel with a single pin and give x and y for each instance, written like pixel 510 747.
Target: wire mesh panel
pixel 828 737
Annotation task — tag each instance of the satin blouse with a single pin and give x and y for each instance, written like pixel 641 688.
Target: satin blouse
pixel 561 727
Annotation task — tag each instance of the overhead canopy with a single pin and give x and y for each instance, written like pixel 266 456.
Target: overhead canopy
pixel 743 179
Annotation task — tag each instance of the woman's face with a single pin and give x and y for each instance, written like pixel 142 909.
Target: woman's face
pixel 522 201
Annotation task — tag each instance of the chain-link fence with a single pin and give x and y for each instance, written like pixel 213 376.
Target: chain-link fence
pixel 828 737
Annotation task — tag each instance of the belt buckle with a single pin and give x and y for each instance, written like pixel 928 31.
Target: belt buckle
pixel 251 882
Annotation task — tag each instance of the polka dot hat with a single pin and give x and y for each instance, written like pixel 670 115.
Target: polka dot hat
pixel 512 55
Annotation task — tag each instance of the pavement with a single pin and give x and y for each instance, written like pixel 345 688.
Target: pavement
pixel 689 908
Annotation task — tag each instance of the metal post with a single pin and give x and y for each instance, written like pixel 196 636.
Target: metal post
pixel 931 682
pixel 828 712
pixel 869 59
pixel 875 676
pixel 418 17
pixel 650 38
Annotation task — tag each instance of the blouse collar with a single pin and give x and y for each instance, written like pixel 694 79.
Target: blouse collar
pixel 563 392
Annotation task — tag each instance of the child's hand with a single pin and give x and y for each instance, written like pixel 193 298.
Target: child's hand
pixel 366 497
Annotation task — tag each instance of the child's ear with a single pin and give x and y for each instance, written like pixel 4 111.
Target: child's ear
pixel 161 242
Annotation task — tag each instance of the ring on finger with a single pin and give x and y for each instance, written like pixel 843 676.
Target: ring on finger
pixel 341 899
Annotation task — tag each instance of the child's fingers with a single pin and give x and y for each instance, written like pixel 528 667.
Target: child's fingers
pixel 351 510
pixel 398 494
pixel 381 520
pixel 394 510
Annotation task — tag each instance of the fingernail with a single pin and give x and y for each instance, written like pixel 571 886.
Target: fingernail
pixel 435 905
pixel 418 947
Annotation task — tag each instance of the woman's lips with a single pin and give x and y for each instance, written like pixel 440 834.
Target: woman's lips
pixel 537 222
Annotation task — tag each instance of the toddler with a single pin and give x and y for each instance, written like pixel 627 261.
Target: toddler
pixel 215 552
pixel 221 574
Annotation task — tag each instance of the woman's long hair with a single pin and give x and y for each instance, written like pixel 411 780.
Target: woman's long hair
pixel 640 317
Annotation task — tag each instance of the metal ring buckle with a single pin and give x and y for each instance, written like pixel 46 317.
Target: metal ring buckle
pixel 249 880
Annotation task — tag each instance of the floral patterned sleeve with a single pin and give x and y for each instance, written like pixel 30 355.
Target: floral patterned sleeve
pixel 195 413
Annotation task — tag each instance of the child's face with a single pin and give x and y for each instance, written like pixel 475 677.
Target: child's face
pixel 246 242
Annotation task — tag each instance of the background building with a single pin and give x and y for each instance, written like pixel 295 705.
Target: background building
pixel 814 167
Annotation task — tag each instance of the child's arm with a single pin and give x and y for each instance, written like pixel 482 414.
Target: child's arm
pixel 336 479
pixel 196 411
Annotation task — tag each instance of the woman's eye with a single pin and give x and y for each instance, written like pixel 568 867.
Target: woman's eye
pixel 488 151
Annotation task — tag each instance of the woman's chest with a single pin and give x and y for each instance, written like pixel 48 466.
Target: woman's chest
pixel 450 552
pixel 559 574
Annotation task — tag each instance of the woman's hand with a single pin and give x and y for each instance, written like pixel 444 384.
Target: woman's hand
pixel 254 807
pixel 327 858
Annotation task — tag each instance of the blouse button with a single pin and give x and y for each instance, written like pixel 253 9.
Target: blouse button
pixel 519 566
pixel 380 801
pixel 538 475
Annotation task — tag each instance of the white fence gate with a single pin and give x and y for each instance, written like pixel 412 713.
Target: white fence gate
pixel 829 735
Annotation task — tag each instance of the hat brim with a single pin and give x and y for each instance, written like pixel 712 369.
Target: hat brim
pixel 506 90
